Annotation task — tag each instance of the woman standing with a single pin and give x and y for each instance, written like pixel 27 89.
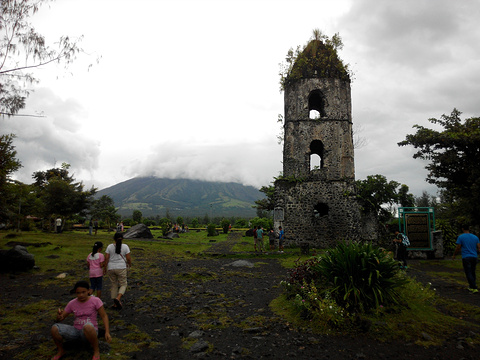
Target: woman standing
pixel 117 259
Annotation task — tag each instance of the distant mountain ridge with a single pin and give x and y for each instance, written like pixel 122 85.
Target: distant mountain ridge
pixel 182 197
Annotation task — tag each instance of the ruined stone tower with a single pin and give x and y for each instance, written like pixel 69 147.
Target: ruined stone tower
pixel 315 197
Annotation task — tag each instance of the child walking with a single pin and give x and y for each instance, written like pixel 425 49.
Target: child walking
pixel 85 326
pixel 96 263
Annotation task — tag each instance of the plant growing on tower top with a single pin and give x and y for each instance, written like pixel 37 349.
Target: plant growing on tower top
pixel 318 58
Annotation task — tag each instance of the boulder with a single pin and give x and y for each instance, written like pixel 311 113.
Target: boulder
pixel 249 232
pixel 16 259
pixel 139 231
pixel 172 235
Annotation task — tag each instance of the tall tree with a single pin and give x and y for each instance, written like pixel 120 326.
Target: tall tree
pixel 104 208
pixel 61 194
pixel 22 50
pixel 8 165
pixel 454 160
pixel 376 194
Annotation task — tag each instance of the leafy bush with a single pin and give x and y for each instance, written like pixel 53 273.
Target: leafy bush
pixel 195 223
pixel 165 224
pixel 266 223
pixel 449 236
pixel 357 277
pixel 211 230
pixel 225 224
pixel 241 223
pixel 361 277
pixel 302 273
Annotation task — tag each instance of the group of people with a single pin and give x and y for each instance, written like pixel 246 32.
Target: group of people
pixel 87 305
pixel 259 235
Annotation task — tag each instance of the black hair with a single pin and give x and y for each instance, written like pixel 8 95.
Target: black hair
pixel 96 246
pixel 118 237
pixel 82 284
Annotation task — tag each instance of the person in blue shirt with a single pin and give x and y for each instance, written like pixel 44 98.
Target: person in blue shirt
pixel 469 245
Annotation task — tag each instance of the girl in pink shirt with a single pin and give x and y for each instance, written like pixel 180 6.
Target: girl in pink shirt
pixel 85 326
pixel 96 262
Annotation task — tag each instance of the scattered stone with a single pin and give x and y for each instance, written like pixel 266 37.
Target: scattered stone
pixel 196 334
pixel 199 346
pixel 426 336
pixel 62 276
pixel 241 263
pixel 172 235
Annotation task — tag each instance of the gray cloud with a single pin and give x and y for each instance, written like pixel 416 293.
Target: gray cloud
pixel 46 142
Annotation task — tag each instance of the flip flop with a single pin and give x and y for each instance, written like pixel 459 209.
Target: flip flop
pixel 118 303
pixel 57 357
pixel 95 357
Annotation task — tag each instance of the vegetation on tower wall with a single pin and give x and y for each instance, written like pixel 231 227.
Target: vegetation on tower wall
pixel 318 58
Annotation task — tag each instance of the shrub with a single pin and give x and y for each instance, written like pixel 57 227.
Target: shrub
pixel 195 223
pixel 165 224
pixel 225 225
pixel 361 277
pixel 449 236
pixel 211 230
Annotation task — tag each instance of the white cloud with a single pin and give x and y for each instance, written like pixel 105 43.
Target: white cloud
pixel 190 88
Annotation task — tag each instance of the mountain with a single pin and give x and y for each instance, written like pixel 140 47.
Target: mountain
pixel 182 197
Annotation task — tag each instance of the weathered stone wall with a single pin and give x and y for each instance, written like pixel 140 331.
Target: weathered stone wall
pixel 336 98
pixel 318 205
pixel 339 220
pixel 333 129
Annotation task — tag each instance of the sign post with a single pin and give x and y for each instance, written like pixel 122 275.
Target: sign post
pixel 417 223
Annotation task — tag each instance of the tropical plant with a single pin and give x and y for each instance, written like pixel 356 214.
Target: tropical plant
pixel 360 276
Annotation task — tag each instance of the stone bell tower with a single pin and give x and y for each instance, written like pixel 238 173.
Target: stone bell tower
pixel 315 197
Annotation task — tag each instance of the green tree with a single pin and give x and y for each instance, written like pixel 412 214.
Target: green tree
pixel 405 199
pixel 425 200
pixel 206 219
pixel 61 194
pixel 8 165
pixel 377 195
pixel 180 220
pixel 195 223
pixel 268 202
pixel 22 50
pixel 137 216
pixel 104 208
pixel 453 156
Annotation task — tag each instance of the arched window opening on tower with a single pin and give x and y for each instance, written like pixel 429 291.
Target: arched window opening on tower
pixel 320 210
pixel 316 155
pixel 316 105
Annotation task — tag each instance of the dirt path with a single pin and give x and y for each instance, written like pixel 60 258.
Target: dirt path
pixel 211 307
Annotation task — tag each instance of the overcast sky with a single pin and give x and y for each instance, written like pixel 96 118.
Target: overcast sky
pixel 190 89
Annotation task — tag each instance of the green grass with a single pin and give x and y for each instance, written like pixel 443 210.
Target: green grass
pixel 72 247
